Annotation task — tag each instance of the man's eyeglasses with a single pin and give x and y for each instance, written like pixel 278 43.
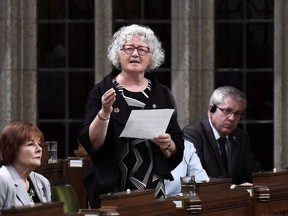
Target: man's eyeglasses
pixel 228 112
pixel 129 49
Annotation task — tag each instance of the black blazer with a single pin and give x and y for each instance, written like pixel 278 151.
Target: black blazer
pixel 104 173
pixel 241 162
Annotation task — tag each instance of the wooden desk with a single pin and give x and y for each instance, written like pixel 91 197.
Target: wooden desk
pixel 43 209
pixel 216 198
pixel 270 177
pixel 270 193
pixel 138 202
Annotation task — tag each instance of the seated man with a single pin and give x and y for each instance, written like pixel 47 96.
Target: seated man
pixel 224 149
pixel 190 166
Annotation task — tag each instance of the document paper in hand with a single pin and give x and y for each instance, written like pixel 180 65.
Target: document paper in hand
pixel 147 124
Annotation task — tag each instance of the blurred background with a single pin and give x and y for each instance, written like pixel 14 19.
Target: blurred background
pixel 54 51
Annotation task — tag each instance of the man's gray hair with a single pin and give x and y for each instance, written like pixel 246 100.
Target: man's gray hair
pixel 227 91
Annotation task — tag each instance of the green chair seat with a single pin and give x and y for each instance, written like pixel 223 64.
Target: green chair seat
pixel 66 194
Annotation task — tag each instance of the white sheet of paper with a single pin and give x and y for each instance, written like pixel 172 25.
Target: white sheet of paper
pixel 147 124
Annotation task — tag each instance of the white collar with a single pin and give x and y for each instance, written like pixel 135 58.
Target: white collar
pixel 215 132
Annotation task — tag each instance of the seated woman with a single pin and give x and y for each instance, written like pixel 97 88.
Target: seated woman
pixel 20 145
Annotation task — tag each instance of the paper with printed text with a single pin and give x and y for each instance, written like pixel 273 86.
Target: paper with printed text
pixel 147 124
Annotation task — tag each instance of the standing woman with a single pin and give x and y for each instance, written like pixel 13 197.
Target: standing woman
pixel 125 163
pixel 20 145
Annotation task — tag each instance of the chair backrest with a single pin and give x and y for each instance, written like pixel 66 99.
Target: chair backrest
pixel 66 194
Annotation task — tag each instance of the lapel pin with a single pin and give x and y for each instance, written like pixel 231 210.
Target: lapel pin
pixel 116 110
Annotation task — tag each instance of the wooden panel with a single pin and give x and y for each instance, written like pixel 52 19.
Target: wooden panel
pixel 138 202
pixel 43 209
pixel 61 173
pixel 74 176
pixel 124 198
pixel 271 198
pixel 270 177
pixel 53 172
pixel 216 198
pixel 44 158
pixel 213 186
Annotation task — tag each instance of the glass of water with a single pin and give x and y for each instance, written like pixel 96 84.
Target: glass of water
pixel 188 185
pixel 52 151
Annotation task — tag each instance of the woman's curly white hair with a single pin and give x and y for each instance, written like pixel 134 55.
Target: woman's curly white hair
pixel 125 33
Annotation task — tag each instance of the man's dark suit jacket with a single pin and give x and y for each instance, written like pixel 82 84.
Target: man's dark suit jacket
pixel 241 163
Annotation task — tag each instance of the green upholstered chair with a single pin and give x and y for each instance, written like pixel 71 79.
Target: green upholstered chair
pixel 66 194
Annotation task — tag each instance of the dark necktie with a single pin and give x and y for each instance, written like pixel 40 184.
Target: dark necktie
pixel 222 143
